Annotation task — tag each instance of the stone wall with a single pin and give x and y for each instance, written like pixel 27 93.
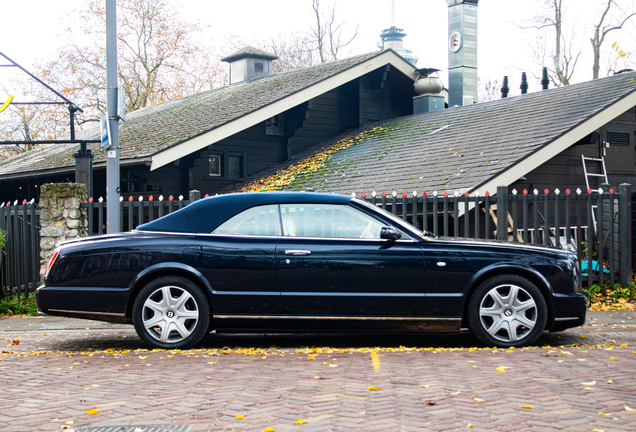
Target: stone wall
pixel 61 217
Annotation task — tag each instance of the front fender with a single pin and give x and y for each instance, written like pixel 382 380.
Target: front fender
pixel 509 268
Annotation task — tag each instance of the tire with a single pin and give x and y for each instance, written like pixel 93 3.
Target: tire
pixel 171 312
pixel 507 311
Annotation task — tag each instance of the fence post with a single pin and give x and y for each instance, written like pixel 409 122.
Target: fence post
pixel 625 234
pixel 195 195
pixel 502 212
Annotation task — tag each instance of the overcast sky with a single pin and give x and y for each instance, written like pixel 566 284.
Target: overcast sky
pixel 33 29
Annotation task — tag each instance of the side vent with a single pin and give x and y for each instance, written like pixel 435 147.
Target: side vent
pixel 618 139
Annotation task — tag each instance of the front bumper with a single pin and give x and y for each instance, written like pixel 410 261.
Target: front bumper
pixel 569 310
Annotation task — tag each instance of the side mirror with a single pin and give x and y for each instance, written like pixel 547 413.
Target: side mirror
pixel 389 233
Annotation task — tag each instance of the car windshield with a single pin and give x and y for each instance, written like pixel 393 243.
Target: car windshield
pixel 402 224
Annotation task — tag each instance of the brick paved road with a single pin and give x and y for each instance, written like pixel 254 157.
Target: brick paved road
pixel 55 376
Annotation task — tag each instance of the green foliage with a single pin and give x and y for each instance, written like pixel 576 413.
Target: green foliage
pixel 18 305
pixel 3 239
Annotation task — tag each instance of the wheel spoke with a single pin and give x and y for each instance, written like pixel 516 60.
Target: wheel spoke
pixel 178 304
pixel 497 325
pixel 188 314
pixel 524 306
pixel 157 307
pixel 497 298
pixel 179 325
pixel 154 322
pixel 524 321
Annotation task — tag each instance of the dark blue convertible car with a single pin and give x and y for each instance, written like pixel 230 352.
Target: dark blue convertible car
pixel 308 262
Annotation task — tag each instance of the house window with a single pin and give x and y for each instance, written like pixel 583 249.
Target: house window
pixel 215 165
pixel 235 166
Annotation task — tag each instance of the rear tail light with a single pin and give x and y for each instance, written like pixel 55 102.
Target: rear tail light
pixel 51 261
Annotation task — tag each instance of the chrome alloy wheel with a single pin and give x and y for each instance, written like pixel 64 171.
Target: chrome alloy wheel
pixel 170 314
pixel 508 313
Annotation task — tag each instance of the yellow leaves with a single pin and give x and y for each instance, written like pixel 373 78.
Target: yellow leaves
pixel 604 414
pixel 470 425
pixel 375 360
pixel 478 400
pixel 502 369
pixel 588 389
pixel 91 411
pixel 583 336
pixel 374 388
pixel 590 383
pixel 269 429
pixel 240 416
pixel 612 358
pixel 629 409
pixel 425 386
pixel 311 358
pixel 526 407
pixel 300 421
pixel 457 392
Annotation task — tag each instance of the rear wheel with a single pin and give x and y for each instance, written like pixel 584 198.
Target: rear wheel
pixel 171 312
pixel 507 311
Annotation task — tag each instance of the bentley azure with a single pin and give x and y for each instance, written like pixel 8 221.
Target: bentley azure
pixel 308 262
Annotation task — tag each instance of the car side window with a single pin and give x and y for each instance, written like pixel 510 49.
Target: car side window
pixel 328 221
pixel 261 220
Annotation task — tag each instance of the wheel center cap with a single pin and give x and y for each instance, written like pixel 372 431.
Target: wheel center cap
pixel 508 312
pixel 170 314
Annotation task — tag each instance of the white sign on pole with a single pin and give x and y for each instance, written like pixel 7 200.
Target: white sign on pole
pixel 121 103
pixel 105 129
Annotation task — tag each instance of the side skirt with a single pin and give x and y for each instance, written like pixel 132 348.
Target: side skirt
pixel 303 323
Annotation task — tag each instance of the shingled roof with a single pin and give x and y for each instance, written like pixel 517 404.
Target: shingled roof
pixel 476 147
pixel 168 131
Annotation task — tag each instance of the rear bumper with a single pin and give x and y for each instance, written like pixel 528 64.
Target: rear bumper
pixel 100 304
pixel 569 311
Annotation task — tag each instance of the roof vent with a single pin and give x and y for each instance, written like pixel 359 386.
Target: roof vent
pixel 249 63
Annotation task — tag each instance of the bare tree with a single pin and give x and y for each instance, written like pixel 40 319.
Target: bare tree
pixel 561 50
pixel 325 41
pixel 327 34
pixel 489 89
pixel 600 32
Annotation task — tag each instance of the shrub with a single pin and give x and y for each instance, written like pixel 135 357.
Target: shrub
pixel 18 305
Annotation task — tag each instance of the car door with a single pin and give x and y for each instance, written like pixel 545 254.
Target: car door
pixel 332 263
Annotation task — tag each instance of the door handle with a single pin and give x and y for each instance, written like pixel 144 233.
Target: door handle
pixel 297 252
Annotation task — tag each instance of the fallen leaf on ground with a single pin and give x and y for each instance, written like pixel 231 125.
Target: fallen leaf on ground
pixel 588 383
pixel 502 369
pixel 91 411
pixel 268 430
pixel 240 416
pixel 527 406
pixel 301 421
pixel 425 386
pixel 457 392
pixel 479 400
pixel 629 409
pixel 374 388
pixel 604 414
pixel 470 425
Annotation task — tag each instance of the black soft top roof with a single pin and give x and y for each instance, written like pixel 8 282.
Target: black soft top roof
pixel 205 215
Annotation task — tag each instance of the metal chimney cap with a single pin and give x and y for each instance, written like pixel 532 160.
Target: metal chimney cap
pixel 458 2
pixel 427 71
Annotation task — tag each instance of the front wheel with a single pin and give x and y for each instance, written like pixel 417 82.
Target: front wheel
pixel 507 311
pixel 171 312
